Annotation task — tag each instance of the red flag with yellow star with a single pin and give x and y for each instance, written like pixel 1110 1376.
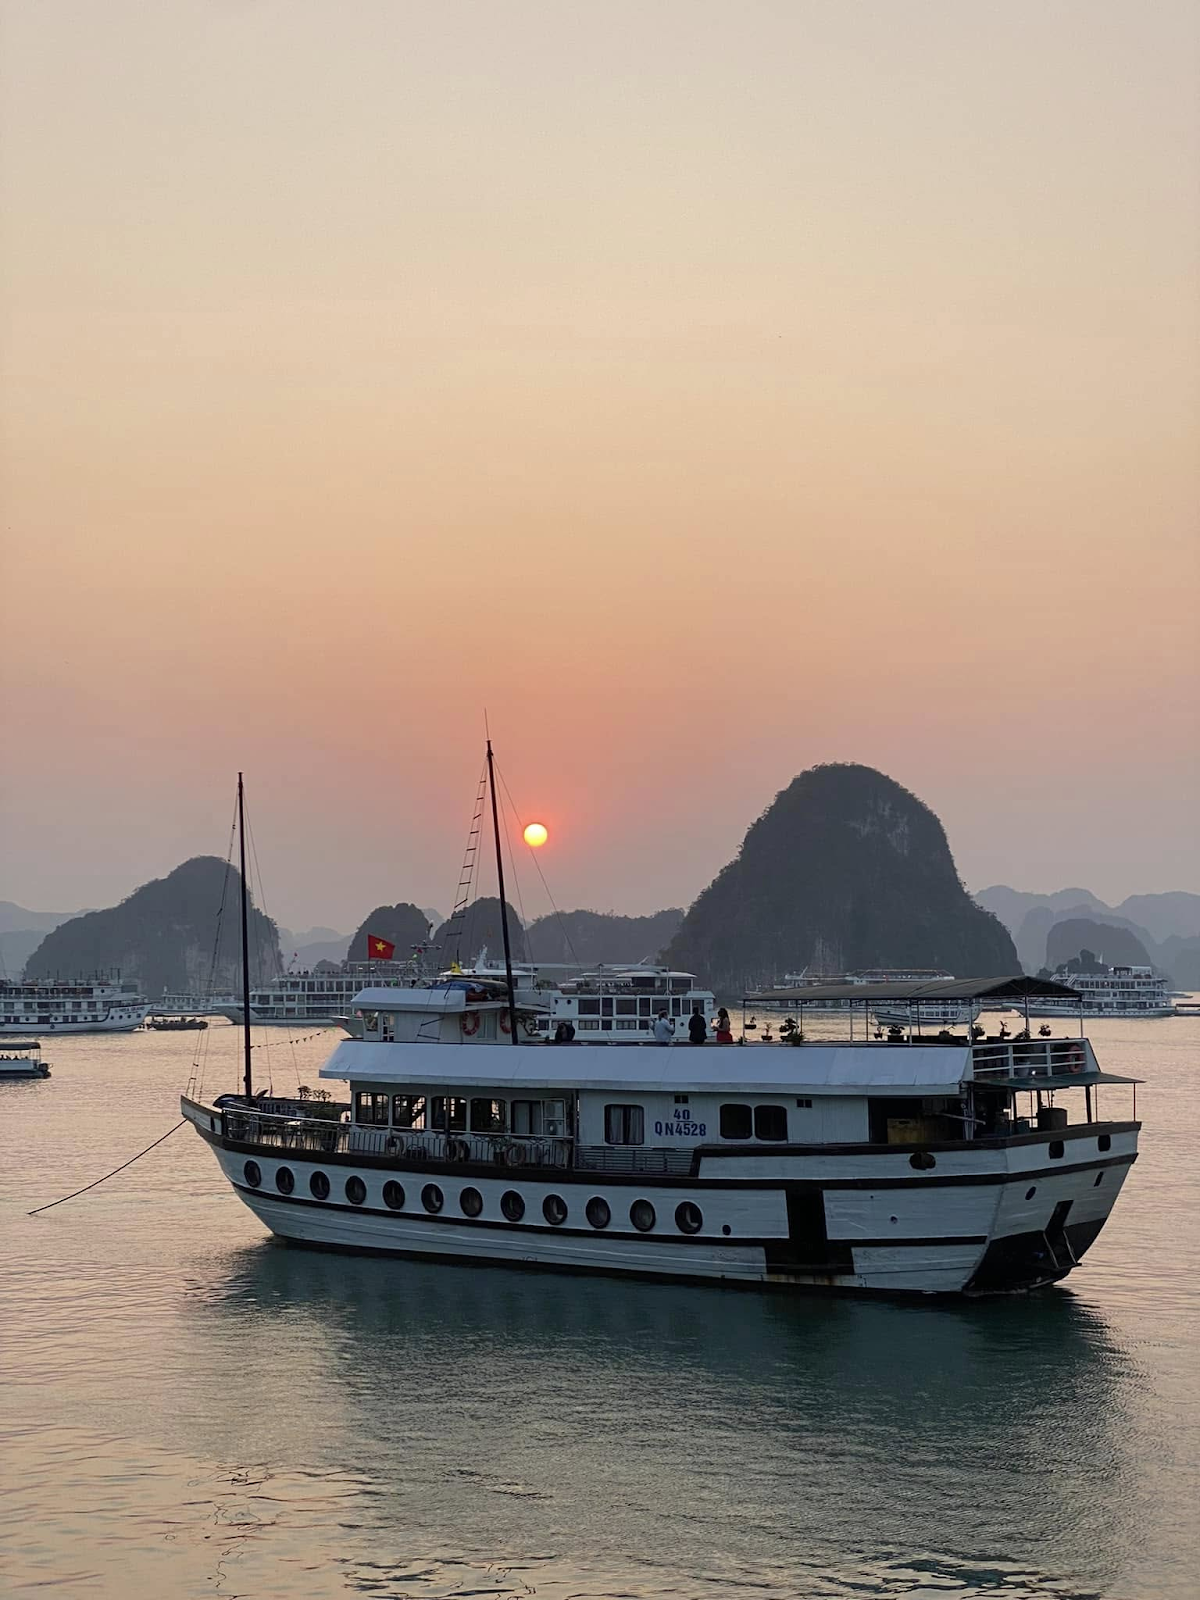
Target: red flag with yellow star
pixel 379 949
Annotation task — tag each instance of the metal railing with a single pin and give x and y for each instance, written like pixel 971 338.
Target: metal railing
pixel 1030 1058
pixel 329 1135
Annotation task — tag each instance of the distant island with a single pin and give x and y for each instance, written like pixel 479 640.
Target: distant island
pixel 1165 928
pixel 165 934
pixel 844 869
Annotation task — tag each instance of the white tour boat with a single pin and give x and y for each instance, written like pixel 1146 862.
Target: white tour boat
pixel 191 1004
pixel 918 1167
pixel 312 999
pixel 81 1005
pixel 930 1015
pixel 22 1058
pixel 1118 992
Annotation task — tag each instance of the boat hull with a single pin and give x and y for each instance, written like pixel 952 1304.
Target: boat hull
pixel 267 1019
pixel 1008 1218
pixel 125 1023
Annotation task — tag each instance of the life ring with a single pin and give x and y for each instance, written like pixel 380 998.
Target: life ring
pixel 513 1156
pixel 1076 1058
pixel 458 1150
pixel 505 1022
pixel 531 1027
pixel 469 1022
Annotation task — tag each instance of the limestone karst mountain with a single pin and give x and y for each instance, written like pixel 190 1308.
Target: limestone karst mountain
pixel 164 935
pixel 844 869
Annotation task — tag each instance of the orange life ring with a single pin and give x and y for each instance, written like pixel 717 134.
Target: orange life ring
pixel 1076 1058
pixel 469 1022
pixel 505 1023
pixel 458 1150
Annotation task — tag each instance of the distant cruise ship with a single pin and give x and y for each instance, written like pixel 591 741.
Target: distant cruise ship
pixel 314 999
pixel 1118 992
pixel 80 1005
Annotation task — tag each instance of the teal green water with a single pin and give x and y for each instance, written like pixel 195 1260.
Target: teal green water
pixel 188 1409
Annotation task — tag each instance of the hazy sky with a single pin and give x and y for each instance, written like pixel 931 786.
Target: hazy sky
pixel 707 390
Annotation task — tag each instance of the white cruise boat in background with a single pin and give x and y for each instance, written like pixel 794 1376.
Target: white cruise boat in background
pixel 613 1001
pixel 917 1167
pixel 1118 992
pixel 312 999
pixel 80 1005
pixel 192 1005
pixel 922 1014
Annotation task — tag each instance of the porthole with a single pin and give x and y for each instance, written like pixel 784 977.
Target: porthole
pixel 356 1191
pixel 432 1198
pixel 597 1212
pixel 1104 1142
pixel 688 1217
pixel 318 1186
pixel 554 1209
pixel 1029 1193
pixel 1056 1149
pixel 252 1173
pixel 641 1214
pixel 512 1205
pixel 922 1160
pixel 285 1180
pixel 1099 1180
pixel 393 1195
pixel 471 1202
pixel 726 1229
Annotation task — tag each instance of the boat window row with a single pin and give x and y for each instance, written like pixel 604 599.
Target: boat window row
pixel 632 1006
pixel 597 1211
pixel 455 1114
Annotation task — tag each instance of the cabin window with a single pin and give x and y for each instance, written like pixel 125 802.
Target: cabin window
pixel 371 1109
pixel 626 1007
pixel 804 1105
pixel 488 1116
pixel 457 1110
pixel 737 1122
pixel 408 1110
pixel 539 1118
pixel 624 1125
pixel 370 1021
pixel 588 1025
pixel 770 1122
pixel 588 1008
pixel 645 1007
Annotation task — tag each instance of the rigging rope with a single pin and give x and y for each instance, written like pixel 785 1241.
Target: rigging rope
pixel 49 1206
pixel 558 914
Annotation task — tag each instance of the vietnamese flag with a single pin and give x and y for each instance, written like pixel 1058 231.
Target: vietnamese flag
pixel 379 949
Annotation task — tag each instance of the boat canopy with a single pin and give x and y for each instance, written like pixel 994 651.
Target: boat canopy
pixel 642 1069
pixel 1020 988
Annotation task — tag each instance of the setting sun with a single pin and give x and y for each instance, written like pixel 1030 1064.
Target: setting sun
pixel 536 835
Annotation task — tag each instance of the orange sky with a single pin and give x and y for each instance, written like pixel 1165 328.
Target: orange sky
pixel 708 390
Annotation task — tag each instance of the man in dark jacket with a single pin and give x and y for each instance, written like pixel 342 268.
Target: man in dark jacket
pixel 697 1027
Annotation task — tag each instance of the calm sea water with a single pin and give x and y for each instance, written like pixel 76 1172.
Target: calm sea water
pixel 189 1409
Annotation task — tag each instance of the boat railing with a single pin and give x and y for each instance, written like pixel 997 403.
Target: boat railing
pixel 1030 1058
pixel 292 1130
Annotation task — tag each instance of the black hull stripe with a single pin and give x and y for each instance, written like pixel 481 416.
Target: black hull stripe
pixel 545 1230
pixel 583 1178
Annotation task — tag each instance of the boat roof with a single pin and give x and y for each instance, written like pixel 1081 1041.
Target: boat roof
pixel 19 1044
pixel 1016 988
pixel 646 1069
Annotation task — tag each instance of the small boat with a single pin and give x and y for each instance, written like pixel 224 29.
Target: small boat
pixel 176 1024
pixel 22 1058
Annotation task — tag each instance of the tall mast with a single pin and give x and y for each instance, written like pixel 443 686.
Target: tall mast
pixel 508 971
pixel 246 1074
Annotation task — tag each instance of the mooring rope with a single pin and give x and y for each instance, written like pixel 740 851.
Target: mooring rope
pixel 52 1203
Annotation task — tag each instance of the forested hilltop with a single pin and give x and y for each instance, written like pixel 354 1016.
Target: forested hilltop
pixel 845 869
pixel 163 935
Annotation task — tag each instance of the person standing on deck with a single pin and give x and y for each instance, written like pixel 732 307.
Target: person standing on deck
pixel 697 1027
pixel 722 1025
pixel 664 1029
